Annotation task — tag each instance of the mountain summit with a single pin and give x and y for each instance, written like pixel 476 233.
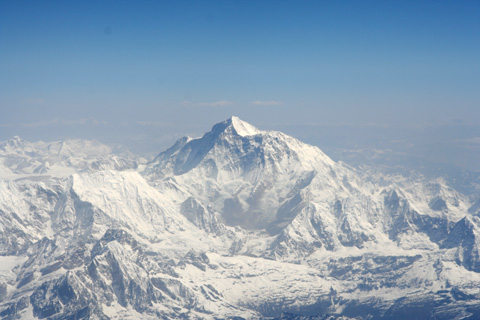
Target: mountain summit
pixel 243 173
pixel 238 147
pixel 235 125
pixel 239 223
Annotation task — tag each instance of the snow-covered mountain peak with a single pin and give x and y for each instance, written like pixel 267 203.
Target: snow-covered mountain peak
pixel 252 178
pixel 12 143
pixel 232 126
pixel 16 140
pixel 243 128
pixel 238 223
pixel 234 148
pixel 21 159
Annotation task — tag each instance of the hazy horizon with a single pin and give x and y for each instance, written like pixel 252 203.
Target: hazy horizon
pixel 350 75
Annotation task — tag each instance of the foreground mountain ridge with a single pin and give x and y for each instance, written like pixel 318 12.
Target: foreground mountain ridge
pixel 237 223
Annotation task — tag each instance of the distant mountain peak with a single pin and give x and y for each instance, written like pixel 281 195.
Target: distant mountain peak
pixel 16 138
pixel 234 125
pixel 16 141
pixel 236 146
pixel 243 128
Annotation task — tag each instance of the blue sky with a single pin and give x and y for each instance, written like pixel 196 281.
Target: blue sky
pixel 129 69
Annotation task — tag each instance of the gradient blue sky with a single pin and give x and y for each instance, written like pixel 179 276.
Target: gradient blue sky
pixel 131 69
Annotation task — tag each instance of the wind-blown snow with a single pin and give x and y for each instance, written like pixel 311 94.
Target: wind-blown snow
pixel 243 128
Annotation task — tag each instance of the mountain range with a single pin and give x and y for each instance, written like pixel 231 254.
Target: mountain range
pixel 240 223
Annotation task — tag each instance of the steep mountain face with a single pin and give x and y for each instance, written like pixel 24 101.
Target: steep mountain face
pixel 242 172
pixel 25 208
pixel 240 223
pixel 266 181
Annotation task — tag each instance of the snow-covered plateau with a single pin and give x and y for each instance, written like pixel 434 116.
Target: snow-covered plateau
pixel 238 224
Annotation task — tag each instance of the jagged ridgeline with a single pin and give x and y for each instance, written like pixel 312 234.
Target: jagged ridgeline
pixel 237 224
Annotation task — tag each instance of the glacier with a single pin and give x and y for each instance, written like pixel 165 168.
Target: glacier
pixel 240 223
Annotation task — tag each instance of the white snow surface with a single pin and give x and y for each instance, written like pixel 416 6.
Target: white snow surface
pixel 240 222
pixel 243 128
pixel 21 159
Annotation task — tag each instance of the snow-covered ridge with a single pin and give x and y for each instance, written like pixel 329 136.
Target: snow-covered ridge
pixel 24 159
pixel 237 144
pixel 240 223
pixel 243 128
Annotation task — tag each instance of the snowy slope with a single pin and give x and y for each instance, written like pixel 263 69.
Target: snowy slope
pixel 239 223
pixel 23 159
pixel 250 177
pixel 240 176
